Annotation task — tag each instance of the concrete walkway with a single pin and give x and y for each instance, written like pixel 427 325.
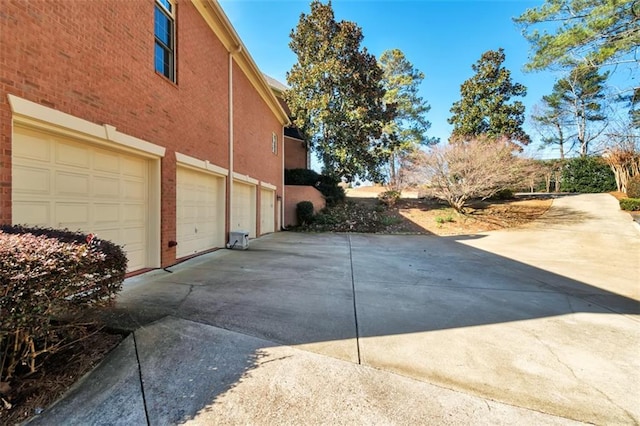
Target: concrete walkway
pixel 538 325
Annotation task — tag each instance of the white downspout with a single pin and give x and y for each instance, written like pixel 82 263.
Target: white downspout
pixel 236 51
pixel 283 226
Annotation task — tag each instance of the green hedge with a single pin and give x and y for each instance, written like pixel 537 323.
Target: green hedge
pixel 588 175
pixel 630 204
pixel 304 177
pixel 45 273
pixel 327 185
pixel 633 187
pixel 304 211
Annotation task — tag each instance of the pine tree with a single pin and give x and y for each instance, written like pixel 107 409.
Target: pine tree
pixel 407 131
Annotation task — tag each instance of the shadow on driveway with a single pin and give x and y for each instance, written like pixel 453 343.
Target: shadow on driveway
pixel 428 308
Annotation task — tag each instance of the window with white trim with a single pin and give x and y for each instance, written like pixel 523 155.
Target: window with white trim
pixel 274 143
pixel 164 32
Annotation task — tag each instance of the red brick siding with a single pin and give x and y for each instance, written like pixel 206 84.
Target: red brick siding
pixel 296 194
pixel 295 154
pixel 94 60
pixel 254 124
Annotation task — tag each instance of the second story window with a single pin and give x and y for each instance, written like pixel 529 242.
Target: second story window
pixel 164 31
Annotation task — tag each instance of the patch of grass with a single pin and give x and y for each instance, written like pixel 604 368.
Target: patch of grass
pixel 390 220
pixel 441 220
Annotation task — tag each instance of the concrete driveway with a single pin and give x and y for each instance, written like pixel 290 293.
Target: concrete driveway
pixel 538 325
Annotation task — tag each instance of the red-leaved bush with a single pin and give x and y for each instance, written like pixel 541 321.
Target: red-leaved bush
pixel 45 273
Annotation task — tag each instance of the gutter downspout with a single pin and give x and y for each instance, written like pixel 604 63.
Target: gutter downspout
pixel 237 50
pixel 283 226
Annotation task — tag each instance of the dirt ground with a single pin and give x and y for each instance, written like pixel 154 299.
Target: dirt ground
pixel 28 394
pixel 427 216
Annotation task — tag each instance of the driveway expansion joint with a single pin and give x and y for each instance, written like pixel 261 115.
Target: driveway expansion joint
pixel 355 308
pixel 144 399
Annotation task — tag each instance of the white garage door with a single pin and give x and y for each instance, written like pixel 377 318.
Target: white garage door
pixel 60 182
pixel 200 211
pixel 244 208
pixel 267 209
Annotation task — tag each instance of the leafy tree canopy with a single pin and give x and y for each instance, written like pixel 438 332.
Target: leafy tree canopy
pixel 484 107
pixel 336 94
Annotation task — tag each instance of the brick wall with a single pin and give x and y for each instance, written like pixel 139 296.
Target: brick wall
pixel 296 194
pixel 295 154
pixel 94 60
pixel 254 124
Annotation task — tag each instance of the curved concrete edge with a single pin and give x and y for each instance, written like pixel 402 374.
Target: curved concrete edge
pixel 194 373
pixel 110 394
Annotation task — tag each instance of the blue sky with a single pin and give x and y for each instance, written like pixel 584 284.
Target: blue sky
pixel 441 38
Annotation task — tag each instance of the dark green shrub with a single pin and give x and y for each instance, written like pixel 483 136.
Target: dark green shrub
pixel 333 193
pixel 304 210
pixel 44 273
pixel 630 204
pixel 504 194
pixel 389 198
pixel 587 174
pixel 633 187
pixel 327 185
pixel 304 177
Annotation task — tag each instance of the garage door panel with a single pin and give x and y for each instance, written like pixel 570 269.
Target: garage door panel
pixel 72 184
pixel 33 146
pixel 200 211
pixel 134 213
pixel 106 213
pixel 244 208
pixel 73 155
pixel 72 215
pixel 133 236
pixel 106 187
pixel 133 167
pixel 35 213
pixel 82 187
pixel 133 190
pixel 31 180
pixel 105 161
pixel 136 259
pixel 267 211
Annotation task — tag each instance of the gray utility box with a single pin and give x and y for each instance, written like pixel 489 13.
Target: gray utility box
pixel 238 240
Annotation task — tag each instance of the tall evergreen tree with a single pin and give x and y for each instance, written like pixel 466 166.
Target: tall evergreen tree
pixel 582 96
pixel 407 131
pixel 552 121
pixel 592 32
pixel 587 33
pixel 484 107
pixel 336 94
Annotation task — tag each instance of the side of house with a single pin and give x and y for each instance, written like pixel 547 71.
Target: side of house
pixel 145 122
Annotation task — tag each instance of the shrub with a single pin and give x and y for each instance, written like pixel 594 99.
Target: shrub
pixel 389 198
pixel 304 177
pixel 327 185
pixel 504 194
pixel 633 187
pixel 45 273
pixel 630 204
pixel 587 174
pixel 333 193
pixel 304 210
